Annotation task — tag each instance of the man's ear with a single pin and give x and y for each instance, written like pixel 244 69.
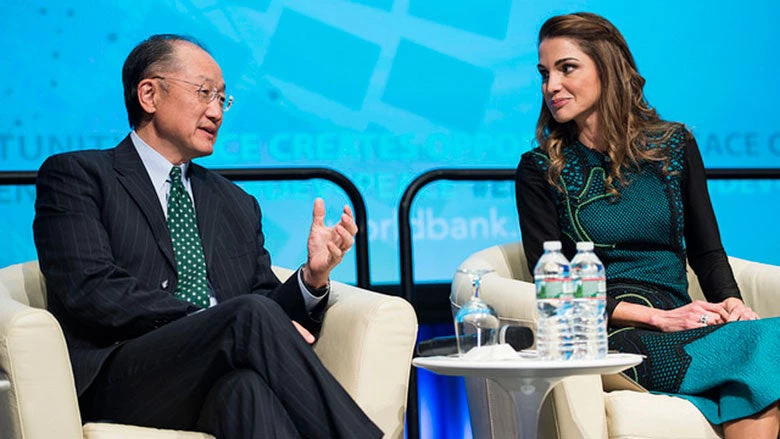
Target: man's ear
pixel 147 90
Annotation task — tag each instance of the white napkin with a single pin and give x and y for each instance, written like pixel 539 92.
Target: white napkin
pixel 496 352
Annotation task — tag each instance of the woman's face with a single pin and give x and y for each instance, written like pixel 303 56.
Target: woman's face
pixel 570 81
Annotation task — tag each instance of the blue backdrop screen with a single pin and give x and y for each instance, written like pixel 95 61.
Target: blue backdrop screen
pixel 383 90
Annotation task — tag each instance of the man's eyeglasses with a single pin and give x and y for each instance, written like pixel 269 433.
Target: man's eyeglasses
pixel 205 95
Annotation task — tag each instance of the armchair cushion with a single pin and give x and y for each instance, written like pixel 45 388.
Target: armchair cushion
pixel 644 415
pixel 100 430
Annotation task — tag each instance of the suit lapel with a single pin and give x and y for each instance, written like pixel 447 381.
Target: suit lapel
pixel 133 176
pixel 207 209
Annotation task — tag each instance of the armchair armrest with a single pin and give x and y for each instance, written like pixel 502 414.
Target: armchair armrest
pixel 42 400
pixel 366 342
pixel 513 299
pixel 759 284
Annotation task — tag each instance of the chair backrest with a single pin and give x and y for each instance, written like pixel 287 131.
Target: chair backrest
pixel 24 283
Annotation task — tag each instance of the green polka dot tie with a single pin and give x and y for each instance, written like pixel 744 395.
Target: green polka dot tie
pixel 190 262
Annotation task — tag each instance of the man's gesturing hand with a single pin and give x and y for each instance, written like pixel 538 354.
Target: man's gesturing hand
pixel 327 245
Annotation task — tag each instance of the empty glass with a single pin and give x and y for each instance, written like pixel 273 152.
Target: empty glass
pixel 476 323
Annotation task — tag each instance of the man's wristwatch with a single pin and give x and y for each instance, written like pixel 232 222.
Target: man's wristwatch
pixel 316 292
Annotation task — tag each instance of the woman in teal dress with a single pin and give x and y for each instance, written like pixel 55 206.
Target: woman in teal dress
pixel 609 170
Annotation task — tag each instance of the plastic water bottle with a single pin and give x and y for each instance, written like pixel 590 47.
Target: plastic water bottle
pixel 588 314
pixel 553 301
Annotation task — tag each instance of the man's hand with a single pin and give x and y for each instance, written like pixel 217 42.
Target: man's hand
pixel 327 245
pixel 738 310
pixel 304 332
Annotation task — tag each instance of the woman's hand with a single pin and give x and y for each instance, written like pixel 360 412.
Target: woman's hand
pixel 690 316
pixel 738 310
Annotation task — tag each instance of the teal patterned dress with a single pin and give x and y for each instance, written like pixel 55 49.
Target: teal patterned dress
pixel 728 371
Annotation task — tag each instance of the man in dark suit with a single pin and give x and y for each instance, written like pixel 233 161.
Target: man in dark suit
pixel 157 272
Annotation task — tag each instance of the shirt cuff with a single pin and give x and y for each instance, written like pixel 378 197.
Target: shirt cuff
pixel 312 297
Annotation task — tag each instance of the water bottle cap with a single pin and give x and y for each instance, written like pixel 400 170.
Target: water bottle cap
pixel 552 245
pixel 584 245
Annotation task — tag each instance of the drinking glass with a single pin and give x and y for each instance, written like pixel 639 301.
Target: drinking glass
pixel 476 323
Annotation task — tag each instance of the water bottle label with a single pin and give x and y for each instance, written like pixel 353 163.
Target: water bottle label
pixel 552 288
pixel 590 288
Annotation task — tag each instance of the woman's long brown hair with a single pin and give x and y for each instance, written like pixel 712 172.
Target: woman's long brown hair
pixel 626 122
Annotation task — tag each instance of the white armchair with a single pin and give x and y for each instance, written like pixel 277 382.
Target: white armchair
pixel 366 342
pixel 593 407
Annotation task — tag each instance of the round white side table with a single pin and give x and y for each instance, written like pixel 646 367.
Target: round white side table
pixel 528 380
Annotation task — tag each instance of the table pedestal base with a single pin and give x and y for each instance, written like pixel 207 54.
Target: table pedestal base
pixel 526 394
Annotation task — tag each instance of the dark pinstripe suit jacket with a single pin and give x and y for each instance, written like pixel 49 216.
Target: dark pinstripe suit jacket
pixel 105 251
